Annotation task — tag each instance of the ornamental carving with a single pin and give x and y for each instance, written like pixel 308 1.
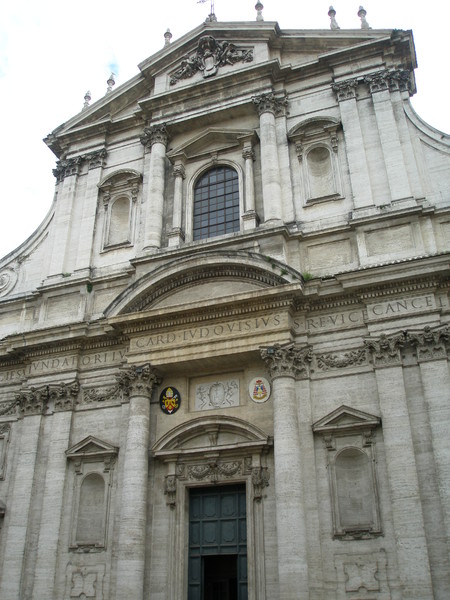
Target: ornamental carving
pixel 391 80
pixel 328 361
pixel 71 166
pixel 214 470
pixel 138 381
pixel 218 394
pixel 385 350
pixel 209 55
pixel 170 489
pixel 430 343
pixel 345 90
pixel 156 134
pixel 269 103
pixel 8 408
pixel 287 360
pixel 260 480
pixel 8 279
pixel 47 399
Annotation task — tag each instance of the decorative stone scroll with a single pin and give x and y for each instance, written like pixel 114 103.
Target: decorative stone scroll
pixel 213 470
pixel 8 279
pixel 47 399
pixel 8 408
pixel 331 360
pixel 85 583
pixel 431 344
pixel 269 103
pixel 209 55
pixel 287 360
pixel 260 480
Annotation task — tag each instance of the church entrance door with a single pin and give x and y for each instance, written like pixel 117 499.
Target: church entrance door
pixel 217 543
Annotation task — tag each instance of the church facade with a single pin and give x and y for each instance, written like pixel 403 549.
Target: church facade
pixel 224 353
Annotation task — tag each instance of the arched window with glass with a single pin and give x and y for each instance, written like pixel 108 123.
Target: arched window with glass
pixel 216 203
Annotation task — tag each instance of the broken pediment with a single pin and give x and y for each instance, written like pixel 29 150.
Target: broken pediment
pixel 211 142
pixel 345 419
pixel 92 448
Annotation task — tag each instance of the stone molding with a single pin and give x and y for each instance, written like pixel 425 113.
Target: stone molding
pixel 268 102
pixel 138 381
pixel 156 134
pixel 287 360
pixel 208 57
pixel 72 166
pixel 47 399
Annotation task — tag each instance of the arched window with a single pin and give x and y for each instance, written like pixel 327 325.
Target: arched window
pixel 216 203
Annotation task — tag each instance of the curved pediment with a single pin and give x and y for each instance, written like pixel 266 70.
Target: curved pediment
pixel 210 434
pixel 203 277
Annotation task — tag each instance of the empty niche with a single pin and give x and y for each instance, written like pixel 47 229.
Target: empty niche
pixel 90 527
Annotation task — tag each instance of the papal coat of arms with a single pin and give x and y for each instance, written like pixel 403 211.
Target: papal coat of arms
pixel 259 389
pixel 169 400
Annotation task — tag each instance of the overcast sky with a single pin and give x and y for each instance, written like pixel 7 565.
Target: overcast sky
pixel 52 52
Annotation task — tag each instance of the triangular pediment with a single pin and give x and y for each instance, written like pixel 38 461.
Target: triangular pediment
pixel 91 447
pixel 345 418
pixel 211 141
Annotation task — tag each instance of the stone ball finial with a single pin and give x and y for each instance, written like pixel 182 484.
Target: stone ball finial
pixel 167 37
pixel 332 15
pixel 259 8
pixel 87 99
pixel 111 82
pixel 362 15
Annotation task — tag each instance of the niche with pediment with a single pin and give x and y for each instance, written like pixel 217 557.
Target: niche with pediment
pixel 349 437
pixel 118 194
pixel 316 145
pixel 92 463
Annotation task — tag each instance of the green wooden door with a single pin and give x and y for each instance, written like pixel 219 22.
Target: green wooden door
pixel 217 543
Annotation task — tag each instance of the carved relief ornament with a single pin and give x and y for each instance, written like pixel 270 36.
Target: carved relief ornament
pixel 209 55
pixel 386 349
pixel 431 344
pixel 156 134
pixel 331 360
pixel 138 381
pixel 391 80
pixel 345 90
pixel 269 103
pixel 71 166
pixel 287 360
pixel 47 399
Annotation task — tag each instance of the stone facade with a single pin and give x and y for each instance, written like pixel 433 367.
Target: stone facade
pixel 293 359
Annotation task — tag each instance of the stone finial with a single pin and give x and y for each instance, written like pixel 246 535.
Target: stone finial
pixel 87 99
pixel 111 82
pixel 362 15
pixel 332 15
pixel 259 8
pixel 167 37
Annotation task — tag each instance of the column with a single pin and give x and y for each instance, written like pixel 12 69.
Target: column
pixel 354 143
pixel 18 510
pixel 86 235
pixel 66 174
pixel 176 235
pixel 412 553
pixel 268 106
pixel 155 138
pixel 52 505
pixel 379 86
pixel 434 370
pixel 249 218
pixel 285 363
pixel 137 383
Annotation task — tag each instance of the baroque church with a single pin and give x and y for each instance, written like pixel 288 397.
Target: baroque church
pixel 224 353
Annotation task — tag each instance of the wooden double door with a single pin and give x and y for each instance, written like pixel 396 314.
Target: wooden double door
pixel 217 543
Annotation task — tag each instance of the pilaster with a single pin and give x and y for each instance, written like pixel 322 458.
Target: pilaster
pixel 249 218
pixel 137 383
pixel 267 106
pixel 412 553
pixel 155 138
pixel 285 363
pixel 346 93
pixel 176 235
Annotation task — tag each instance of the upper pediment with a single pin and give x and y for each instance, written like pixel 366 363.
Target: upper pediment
pixel 345 419
pixel 91 447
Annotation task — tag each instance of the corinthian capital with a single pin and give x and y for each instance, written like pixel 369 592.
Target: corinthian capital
pixel 345 90
pixel 392 80
pixel 287 360
pixel 155 134
pixel 431 344
pixel 138 381
pixel 269 103
pixel 385 350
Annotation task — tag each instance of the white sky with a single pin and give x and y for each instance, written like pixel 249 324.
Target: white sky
pixel 52 52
